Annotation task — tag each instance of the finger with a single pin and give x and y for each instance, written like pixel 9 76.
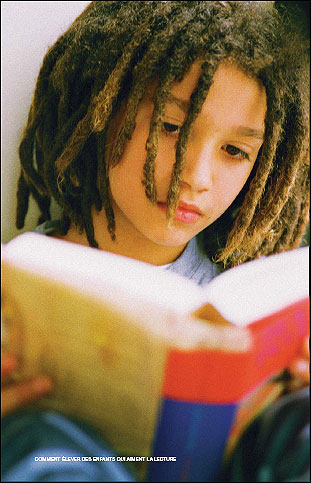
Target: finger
pixel 227 339
pixel 16 395
pixel 306 349
pixel 210 336
pixel 8 364
pixel 300 368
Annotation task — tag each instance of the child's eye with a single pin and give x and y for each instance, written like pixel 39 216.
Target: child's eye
pixel 235 152
pixel 169 128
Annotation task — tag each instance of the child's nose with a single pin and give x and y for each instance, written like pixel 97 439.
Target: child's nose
pixel 198 168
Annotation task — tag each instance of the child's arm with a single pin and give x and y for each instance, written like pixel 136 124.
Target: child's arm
pixel 16 394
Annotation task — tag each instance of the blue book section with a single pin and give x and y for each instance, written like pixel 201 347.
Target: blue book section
pixel 194 433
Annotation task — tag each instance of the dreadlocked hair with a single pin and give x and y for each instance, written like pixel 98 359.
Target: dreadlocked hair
pixel 108 59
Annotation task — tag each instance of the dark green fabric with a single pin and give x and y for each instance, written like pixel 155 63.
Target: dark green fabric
pixel 276 446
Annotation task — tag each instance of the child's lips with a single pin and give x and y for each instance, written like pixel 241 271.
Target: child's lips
pixel 186 213
pixel 189 207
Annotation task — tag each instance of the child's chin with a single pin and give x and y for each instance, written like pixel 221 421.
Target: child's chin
pixel 170 237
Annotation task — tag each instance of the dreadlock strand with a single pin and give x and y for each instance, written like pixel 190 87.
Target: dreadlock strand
pixel 257 196
pixel 26 154
pixel 144 71
pixel 86 208
pixel 63 108
pixel 103 183
pixel 60 196
pixel 209 68
pixel 91 160
pixel 279 235
pixel 42 84
pixel 244 229
pixel 101 169
pixel 64 223
pixel 23 192
pixel 280 191
pixel 179 64
pixel 76 141
pixel 136 95
pixel 303 215
pixel 152 141
pixel 198 97
pixel 105 98
pixel 301 224
pixel 277 196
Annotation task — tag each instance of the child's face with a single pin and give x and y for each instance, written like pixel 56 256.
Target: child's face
pixel 221 151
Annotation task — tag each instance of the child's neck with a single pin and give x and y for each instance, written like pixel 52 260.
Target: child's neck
pixel 129 242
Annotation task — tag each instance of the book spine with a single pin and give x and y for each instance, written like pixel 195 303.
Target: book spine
pixel 202 391
pixel 196 435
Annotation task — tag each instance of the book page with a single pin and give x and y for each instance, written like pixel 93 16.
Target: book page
pixel 261 287
pixel 91 271
pixel 106 371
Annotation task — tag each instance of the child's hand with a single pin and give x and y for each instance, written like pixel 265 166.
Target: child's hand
pixel 300 367
pixel 16 394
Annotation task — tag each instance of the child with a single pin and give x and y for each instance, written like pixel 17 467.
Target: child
pixel 175 133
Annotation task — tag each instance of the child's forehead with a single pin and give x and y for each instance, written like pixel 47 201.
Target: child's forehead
pixel 185 87
pixel 182 90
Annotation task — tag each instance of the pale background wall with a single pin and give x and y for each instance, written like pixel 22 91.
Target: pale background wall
pixel 28 29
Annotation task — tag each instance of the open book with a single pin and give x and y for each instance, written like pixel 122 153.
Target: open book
pixel 131 353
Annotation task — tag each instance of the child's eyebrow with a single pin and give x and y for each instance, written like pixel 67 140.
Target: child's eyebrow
pixel 249 132
pixel 181 103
